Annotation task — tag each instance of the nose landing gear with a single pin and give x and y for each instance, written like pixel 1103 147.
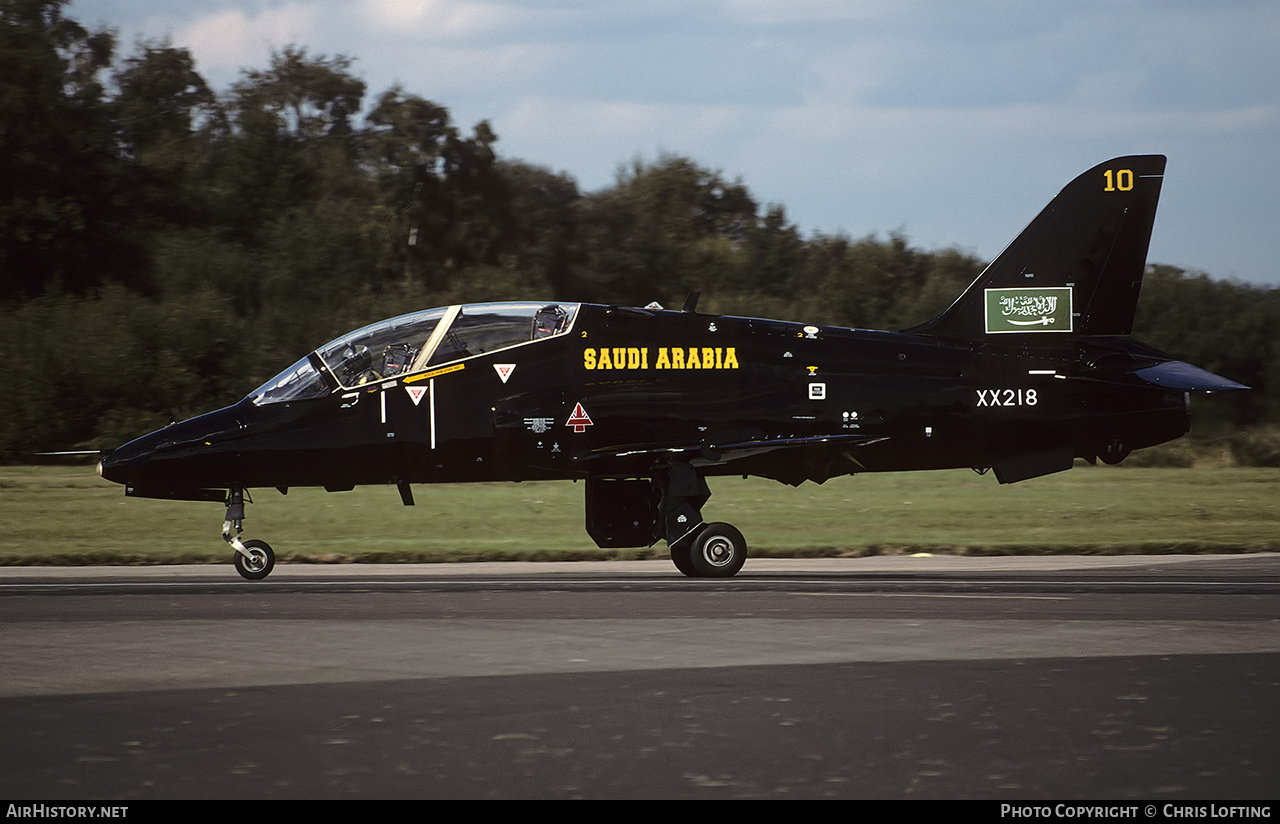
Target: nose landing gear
pixel 254 559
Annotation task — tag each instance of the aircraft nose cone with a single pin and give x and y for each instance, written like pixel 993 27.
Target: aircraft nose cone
pixel 197 452
pixel 116 464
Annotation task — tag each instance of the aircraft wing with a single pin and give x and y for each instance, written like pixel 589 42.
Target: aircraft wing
pixel 709 454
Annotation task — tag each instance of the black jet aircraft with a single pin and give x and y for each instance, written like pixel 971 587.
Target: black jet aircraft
pixel 1030 368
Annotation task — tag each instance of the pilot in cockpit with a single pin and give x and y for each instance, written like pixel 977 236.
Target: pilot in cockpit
pixel 396 359
pixel 548 321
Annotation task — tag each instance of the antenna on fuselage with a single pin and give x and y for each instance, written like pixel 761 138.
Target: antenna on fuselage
pixel 691 302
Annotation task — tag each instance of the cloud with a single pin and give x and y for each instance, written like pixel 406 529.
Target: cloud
pixel 953 120
pixel 772 12
pixel 608 134
pixel 437 18
pixel 232 39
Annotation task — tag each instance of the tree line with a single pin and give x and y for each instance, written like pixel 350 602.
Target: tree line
pixel 165 247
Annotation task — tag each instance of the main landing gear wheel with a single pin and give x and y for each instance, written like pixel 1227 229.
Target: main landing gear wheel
pixel 680 556
pixel 718 551
pixel 257 560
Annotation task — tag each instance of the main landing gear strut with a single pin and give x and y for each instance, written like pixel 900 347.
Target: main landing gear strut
pixel 636 512
pixel 254 559
pixel 698 549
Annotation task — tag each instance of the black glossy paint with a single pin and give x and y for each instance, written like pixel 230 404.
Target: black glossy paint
pixel 745 396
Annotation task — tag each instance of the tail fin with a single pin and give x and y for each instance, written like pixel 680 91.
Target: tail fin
pixel 1076 269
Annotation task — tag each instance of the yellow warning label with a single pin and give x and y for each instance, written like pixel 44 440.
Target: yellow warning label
pixel 457 367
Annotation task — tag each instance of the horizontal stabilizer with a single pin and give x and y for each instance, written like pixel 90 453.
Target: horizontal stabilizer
pixel 1188 378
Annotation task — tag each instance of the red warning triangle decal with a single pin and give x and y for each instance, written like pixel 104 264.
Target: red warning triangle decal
pixel 416 393
pixel 504 370
pixel 579 420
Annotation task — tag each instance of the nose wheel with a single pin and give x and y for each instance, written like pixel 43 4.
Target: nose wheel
pixel 254 559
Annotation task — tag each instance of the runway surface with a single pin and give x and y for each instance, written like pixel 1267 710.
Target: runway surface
pixel 1142 678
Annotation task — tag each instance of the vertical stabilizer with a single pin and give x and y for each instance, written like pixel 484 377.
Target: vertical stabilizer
pixel 1076 269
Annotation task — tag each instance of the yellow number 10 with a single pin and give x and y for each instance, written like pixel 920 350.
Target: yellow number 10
pixel 1121 181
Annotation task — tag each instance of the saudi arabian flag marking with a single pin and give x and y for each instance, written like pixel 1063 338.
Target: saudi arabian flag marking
pixel 1045 309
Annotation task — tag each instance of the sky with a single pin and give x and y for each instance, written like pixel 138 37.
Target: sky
pixel 951 123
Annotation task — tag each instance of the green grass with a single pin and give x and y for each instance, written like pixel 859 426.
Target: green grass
pixel 66 515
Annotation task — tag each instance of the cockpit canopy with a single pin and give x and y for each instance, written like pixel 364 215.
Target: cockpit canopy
pixel 414 343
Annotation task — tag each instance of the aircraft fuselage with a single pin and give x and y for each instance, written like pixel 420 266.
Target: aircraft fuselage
pixel 625 391
pixel 1030 368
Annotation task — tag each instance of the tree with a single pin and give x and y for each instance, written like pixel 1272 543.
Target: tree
pixel 544 231
pixel 160 101
pixel 449 201
pixel 662 231
pixel 299 97
pixel 62 184
pixel 159 98
pixel 773 255
pixel 287 140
